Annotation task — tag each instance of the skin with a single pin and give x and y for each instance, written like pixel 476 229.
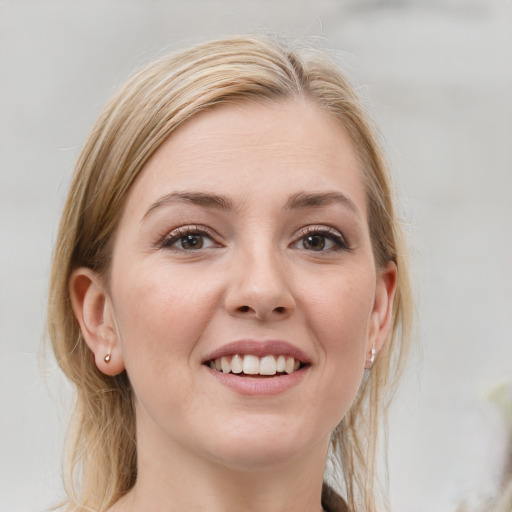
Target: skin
pixel 202 445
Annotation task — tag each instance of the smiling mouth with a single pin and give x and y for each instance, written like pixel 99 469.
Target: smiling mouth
pixel 251 365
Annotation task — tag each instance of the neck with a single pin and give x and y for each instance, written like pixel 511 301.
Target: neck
pixel 171 479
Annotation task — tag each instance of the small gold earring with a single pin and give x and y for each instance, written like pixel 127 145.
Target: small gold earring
pixel 107 358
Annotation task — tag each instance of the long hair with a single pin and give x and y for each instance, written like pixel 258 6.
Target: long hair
pixel 101 457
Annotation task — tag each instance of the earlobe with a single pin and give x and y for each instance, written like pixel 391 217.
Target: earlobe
pixel 382 309
pixel 93 310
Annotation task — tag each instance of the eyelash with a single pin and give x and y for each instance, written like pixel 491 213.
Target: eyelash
pixel 179 233
pixel 339 241
pixel 340 244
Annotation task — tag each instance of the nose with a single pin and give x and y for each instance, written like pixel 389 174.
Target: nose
pixel 259 288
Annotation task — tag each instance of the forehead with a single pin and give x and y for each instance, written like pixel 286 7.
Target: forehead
pixel 243 150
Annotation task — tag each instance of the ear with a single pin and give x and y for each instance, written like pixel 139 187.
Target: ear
pixel 380 319
pixel 93 310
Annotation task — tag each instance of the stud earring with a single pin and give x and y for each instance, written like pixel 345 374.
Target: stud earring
pixel 372 359
pixel 107 358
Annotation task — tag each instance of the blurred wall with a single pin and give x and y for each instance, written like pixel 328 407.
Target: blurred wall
pixel 438 76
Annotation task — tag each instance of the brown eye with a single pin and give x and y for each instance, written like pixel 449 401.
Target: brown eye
pixel 189 239
pixel 320 239
pixel 192 242
pixel 314 242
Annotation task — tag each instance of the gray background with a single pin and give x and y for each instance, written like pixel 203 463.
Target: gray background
pixel 438 74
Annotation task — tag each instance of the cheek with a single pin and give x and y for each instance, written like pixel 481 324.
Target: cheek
pixel 340 311
pixel 339 318
pixel 161 316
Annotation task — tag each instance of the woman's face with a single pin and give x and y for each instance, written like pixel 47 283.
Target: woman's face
pixel 245 241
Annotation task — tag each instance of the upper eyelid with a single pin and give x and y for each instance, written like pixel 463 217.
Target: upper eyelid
pixel 319 228
pixel 188 229
pixel 324 230
pixel 193 228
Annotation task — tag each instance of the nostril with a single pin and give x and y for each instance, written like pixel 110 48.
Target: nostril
pixel 260 313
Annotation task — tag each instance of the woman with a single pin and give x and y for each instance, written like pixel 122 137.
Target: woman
pixel 227 267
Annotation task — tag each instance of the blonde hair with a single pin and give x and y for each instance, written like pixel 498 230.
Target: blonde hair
pixel 102 458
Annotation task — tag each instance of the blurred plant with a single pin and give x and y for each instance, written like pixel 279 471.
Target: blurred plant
pixel 502 397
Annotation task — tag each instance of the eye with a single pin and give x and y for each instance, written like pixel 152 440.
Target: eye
pixel 320 239
pixel 189 238
pixel 316 242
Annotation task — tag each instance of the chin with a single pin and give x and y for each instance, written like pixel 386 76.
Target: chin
pixel 254 459
pixel 262 447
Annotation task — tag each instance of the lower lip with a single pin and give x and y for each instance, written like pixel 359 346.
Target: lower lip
pixel 259 386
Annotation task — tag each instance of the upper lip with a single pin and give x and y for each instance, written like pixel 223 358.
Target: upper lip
pixel 258 348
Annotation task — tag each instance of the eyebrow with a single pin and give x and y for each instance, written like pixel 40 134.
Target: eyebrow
pixel 296 201
pixel 198 198
pixel 312 200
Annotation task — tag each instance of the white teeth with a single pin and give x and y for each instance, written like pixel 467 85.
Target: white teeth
pixel 268 365
pixel 253 365
pixel 289 365
pixel 226 366
pixel 237 364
